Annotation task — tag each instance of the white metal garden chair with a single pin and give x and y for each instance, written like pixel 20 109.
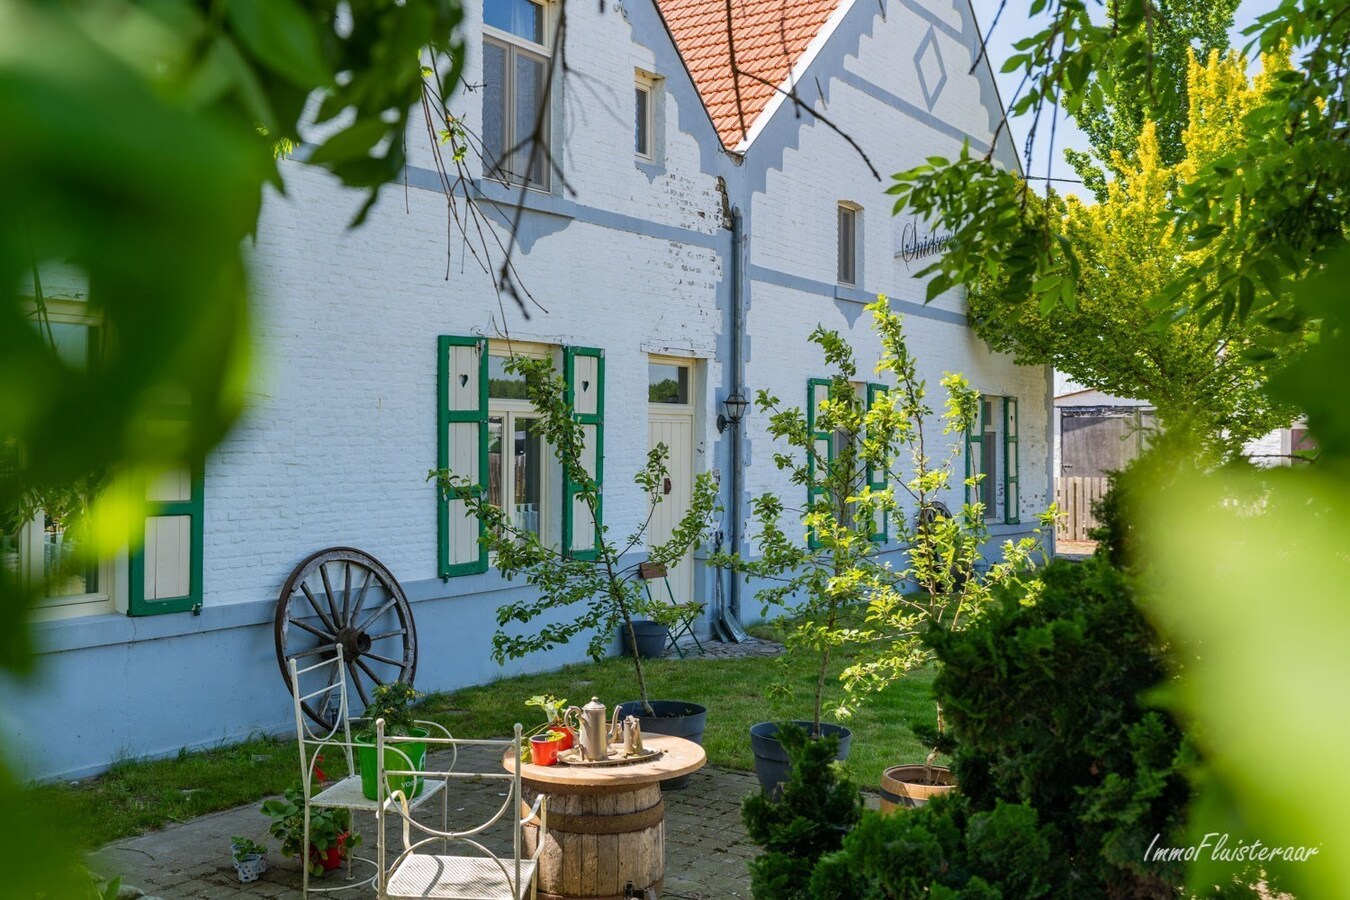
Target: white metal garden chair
pixel 415 873
pixel 324 749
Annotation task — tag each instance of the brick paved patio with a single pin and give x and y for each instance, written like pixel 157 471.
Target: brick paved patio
pixel 706 847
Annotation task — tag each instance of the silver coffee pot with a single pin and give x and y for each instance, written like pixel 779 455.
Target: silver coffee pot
pixel 593 732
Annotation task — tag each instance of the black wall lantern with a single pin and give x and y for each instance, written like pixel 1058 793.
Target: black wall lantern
pixel 734 409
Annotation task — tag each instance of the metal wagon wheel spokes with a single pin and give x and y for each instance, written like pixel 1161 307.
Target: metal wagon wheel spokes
pixel 345 596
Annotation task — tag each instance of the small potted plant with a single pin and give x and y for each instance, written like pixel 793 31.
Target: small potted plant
pixel 552 708
pixel 391 702
pixel 250 858
pixel 330 837
pixel 544 748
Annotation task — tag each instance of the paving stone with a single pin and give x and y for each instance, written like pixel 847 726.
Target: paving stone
pixel 706 846
pixel 712 649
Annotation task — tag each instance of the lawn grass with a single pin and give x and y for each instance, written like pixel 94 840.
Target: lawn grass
pixel 135 796
pixel 737 693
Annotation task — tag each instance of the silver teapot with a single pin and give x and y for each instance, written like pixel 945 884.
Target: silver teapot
pixel 594 734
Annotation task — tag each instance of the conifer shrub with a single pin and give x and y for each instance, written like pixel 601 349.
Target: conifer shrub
pixel 1067 773
pixel 818 805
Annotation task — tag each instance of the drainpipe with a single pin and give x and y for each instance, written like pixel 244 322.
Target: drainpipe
pixel 730 614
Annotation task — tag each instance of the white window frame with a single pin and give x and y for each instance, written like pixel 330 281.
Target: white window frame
pixel 853 213
pixel 513 45
pixel 510 410
pixel 646 84
pixel 112 572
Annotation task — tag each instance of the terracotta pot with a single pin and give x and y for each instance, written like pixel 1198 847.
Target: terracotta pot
pixel 902 787
pixel 331 858
pixel 544 750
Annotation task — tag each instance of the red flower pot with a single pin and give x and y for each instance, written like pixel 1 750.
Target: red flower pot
pixel 544 750
pixel 331 858
pixel 569 737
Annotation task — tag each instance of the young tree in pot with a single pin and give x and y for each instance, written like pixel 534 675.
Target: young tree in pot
pixel 822 581
pixel 941 583
pixel 595 586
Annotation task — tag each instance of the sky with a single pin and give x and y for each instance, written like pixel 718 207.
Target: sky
pixel 1015 25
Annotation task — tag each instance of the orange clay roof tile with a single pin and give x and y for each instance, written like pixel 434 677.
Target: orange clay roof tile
pixel 769 36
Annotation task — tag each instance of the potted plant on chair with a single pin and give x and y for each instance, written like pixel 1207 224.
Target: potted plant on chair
pixel 391 702
pixel 588 576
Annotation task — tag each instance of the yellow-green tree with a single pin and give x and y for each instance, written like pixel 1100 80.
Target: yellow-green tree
pixel 1193 369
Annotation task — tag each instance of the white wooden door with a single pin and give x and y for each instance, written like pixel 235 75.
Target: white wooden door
pixel 675 429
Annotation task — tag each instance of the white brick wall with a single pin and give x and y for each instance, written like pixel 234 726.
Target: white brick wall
pixel 340 433
pixel 793 230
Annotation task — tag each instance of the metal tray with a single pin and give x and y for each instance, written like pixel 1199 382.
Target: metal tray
pixel 573 757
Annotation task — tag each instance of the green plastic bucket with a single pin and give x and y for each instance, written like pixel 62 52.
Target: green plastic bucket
pixel 393 759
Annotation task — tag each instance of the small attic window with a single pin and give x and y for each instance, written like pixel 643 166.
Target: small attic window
pixel 645 93
pixel 848 242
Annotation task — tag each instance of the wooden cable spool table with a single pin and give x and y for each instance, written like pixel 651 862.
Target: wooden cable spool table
pixel 606 824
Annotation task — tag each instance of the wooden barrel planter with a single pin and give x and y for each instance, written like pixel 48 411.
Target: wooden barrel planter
pixel 902 787
pixel 600 842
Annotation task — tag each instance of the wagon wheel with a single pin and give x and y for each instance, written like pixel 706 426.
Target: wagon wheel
pixel 344 596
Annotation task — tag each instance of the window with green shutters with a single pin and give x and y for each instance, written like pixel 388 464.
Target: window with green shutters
pixel 827 447
pixel 462 447
pixel 878 478
pixel 584 371
pixel 817 392
pixel 1012 498
pixel 165 573
pixel 990 445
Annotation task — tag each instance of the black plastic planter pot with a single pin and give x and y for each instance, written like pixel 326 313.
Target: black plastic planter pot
pixel 673 717
pixel 771 760
pixel 651 638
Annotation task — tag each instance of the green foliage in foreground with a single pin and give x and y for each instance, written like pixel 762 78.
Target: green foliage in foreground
pixel 138 140
pixel 816 808
pixel 1067 774
pixel 946 852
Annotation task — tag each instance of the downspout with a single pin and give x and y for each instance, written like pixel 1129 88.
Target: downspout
pixel 730 617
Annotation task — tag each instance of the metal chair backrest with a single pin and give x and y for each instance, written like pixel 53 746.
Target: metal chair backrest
pixel 311 737
pixel 388 749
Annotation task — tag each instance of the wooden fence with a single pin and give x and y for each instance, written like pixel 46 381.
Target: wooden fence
pixel 1074 497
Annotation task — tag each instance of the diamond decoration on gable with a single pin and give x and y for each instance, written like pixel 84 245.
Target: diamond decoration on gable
pixel 932 70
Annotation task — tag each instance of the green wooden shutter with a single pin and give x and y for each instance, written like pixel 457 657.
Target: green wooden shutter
pixel 166 572
pixel 817 392
pixel 1012 499
pixel 462 447
pixel 878 478
pixel 584 371
pixel 974 444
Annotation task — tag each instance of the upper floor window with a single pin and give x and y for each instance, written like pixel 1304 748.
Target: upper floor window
pixel 848 243
pixel 516 119
pixel 644 106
